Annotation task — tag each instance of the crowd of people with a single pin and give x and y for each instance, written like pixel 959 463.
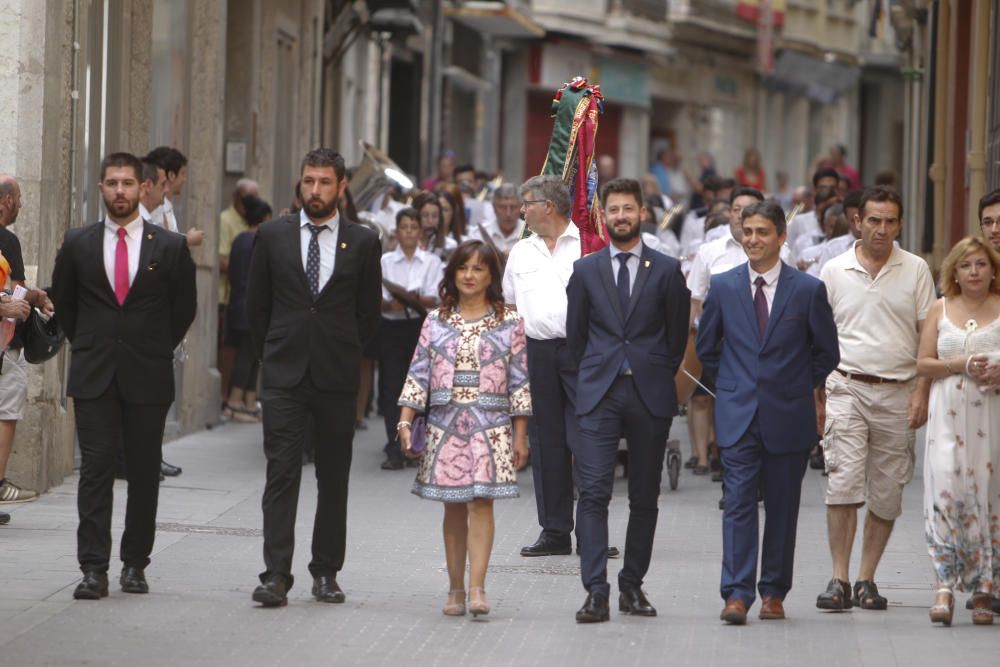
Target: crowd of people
pixel 821 342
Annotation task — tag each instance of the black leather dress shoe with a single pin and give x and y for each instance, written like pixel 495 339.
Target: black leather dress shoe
pixel 546 546
pixel 133 580
pixel 325 589
pixel 93 587
pixel 633 601
pixel 272 593
pixel 594 610
pixel 169 470
pixel 613 552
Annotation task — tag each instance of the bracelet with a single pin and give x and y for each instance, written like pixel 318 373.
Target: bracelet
pixel 403 424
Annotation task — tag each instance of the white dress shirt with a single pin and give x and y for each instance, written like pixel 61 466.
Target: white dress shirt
pixel 770 283
pixel 164 215
pixel 133 241
pixel 534 281
pixel 421 273
pixel 327 245
pixel 632 263
pixel 833 248
pixel 804 224
pixel 504 242
pixel 717 233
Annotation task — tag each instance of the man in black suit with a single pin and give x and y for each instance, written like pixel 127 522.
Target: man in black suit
pixel 314 295
pixel 627 327
pixel 124 291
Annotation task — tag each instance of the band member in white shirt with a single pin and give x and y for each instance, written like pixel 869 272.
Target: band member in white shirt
pixel 411 278
pixel 534 281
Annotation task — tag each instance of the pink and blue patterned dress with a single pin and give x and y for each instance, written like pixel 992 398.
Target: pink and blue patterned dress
pixel 476 375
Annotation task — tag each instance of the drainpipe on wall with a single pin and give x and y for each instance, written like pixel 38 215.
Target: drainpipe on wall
pixel 976 157
pixel 937 171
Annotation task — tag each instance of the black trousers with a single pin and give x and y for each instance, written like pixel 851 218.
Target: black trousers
pixel 620 412
pixel 244 375
pixel 284 415
pixel 103 426
pixel 553 394
pixel 397 340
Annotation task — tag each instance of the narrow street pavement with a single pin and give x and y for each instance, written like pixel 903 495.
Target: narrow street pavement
pixel 208 554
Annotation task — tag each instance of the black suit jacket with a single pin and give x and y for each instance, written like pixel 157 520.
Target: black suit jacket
pixel 293 332
pixel 652 335
pixel 133 342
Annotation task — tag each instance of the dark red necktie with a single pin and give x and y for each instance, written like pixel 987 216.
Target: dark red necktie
pixel 121 267
pixel 760 306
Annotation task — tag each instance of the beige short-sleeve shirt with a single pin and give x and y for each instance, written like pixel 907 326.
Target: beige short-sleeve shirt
pixel 877 318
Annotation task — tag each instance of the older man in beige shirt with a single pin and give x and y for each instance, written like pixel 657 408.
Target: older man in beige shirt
pixel 880 296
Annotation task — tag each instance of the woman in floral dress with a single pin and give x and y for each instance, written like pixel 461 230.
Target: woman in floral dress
pixel 961 479
pixel 470 369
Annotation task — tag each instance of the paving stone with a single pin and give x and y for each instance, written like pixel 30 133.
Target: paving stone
pixel 208 555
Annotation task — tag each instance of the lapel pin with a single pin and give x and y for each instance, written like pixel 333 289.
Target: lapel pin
pixel 343 246
pixel 149 236
pixel 646 263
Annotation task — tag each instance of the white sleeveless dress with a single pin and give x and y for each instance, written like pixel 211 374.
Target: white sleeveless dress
pixel 962 468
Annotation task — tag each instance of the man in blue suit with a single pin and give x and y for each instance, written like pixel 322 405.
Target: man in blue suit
pixel 626 329
pixel 778 343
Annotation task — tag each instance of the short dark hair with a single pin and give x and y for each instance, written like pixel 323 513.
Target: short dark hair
pixel 122 160
pixel 824 193
pixel 727 184
pixel 325 157
pixel 988 199
pixel 771 210
pixel 256 210
pixel 167 158
pixel 150 171
pixel 626 186
pixel 713 183
pixel 880 194
pixel 408 212
pixel 853 199
pixel 825 172
pixel 465 167
pixel 746 191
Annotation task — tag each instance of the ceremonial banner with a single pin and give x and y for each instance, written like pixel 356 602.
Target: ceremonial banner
pixel 576 108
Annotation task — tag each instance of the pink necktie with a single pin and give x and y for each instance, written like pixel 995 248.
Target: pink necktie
pixel 121 267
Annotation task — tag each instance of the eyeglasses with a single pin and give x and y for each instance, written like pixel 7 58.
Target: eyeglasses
pixel 990 222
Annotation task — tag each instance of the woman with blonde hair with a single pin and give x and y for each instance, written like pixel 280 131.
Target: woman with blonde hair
pixel 962 461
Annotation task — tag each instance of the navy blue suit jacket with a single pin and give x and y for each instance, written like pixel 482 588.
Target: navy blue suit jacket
pixel 652 334
pixel 772 378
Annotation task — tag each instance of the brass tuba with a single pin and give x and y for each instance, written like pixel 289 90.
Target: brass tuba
pixel 375 176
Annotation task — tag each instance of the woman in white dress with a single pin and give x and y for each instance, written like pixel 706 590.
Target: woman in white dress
pixel 962 462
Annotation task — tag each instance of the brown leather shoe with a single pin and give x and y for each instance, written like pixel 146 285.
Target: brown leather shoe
pixel 771 609
pixel 735 612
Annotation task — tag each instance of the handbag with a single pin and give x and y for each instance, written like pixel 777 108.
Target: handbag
pixel 42 337
pixel 418 431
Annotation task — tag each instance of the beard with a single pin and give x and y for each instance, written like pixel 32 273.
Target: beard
pixel 317 209
pixel 121 208
pixel 625 236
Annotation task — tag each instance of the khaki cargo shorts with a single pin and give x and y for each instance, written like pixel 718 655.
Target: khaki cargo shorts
pixel 868 444
pixel 13 386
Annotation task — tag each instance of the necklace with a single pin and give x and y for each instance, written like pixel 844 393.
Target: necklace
pixel 972 324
